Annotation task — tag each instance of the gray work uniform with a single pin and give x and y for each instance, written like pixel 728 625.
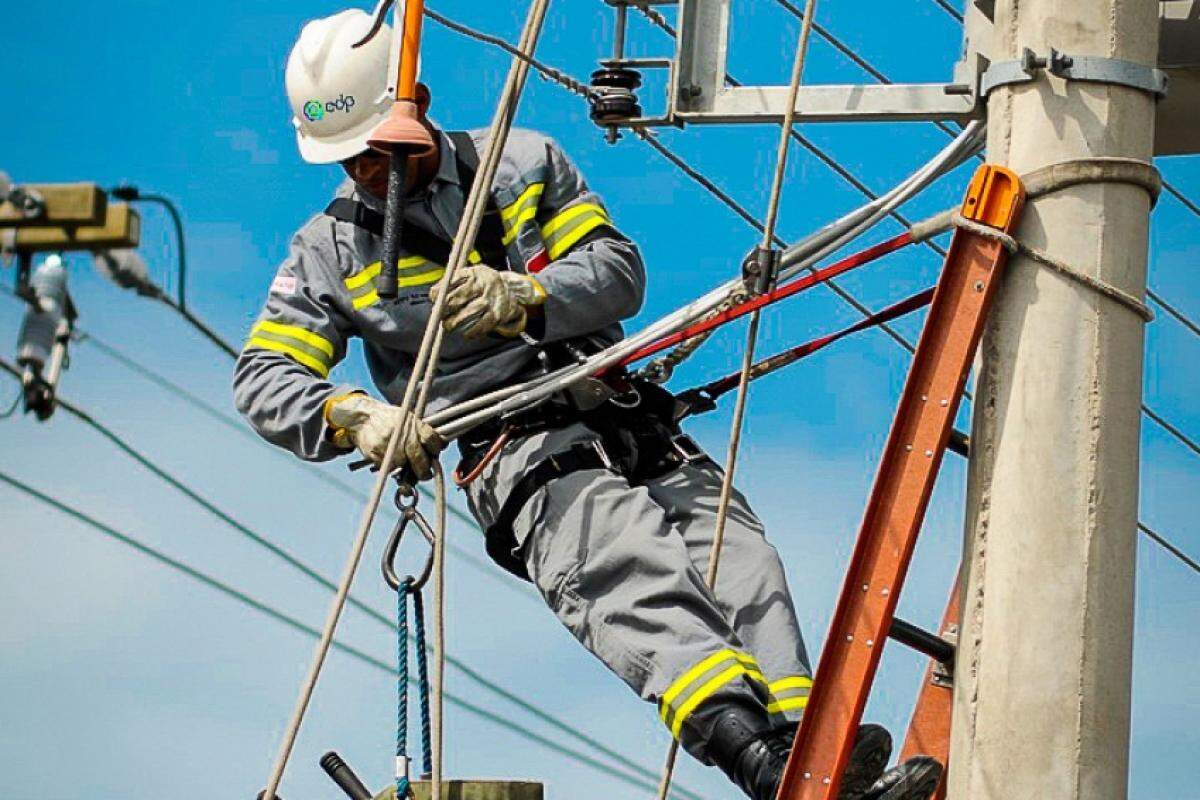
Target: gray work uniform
pixel 621 565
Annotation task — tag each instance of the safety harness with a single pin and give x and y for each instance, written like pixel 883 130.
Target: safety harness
pixel 636 436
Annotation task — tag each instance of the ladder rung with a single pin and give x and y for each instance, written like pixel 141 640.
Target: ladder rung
pixel 922 641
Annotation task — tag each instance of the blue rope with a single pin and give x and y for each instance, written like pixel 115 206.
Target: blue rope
pixel 423 681
pixel 402 781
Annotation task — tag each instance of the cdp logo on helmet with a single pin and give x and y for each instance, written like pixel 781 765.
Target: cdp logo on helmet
pixel 315 110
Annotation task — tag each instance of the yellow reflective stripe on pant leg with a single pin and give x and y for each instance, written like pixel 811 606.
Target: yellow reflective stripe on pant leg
pixel 299 334
pixel 791 704
pixel 794 682
pixel 294 353
pixel 789 694
pixel 703 693
pixel 685 680
pixel 697 683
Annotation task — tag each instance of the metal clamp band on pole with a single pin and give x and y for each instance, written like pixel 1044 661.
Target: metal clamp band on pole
pixel 1084 69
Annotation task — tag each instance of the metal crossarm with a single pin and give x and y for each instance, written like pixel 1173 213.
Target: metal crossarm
pixel 904 483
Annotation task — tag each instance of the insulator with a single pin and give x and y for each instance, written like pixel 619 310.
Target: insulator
pixel 38 329
pixel 617 78
pixel 613 98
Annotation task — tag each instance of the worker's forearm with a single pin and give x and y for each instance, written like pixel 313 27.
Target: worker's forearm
pixel 284 403
pixel 591 287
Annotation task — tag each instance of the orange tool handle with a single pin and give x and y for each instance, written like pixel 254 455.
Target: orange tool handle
pixel 410 50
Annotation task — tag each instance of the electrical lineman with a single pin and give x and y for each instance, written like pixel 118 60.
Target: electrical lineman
pixel 596 497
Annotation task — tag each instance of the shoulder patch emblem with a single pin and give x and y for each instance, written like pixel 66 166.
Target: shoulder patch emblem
pixel 284 285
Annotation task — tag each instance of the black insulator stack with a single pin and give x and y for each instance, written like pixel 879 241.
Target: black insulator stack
pixel 613 96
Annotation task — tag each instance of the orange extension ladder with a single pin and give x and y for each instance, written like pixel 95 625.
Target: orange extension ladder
pixel 864 616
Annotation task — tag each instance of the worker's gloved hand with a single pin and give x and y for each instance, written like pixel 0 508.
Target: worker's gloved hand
pixel 482 300
pixel 363 422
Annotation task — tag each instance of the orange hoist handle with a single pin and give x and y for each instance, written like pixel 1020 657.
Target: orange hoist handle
pixel 410 51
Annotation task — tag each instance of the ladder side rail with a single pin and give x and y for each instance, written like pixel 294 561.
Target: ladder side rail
pixel 929 728
pixel 903 485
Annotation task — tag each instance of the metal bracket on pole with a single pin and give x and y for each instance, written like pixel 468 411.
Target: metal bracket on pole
pixel 1085 69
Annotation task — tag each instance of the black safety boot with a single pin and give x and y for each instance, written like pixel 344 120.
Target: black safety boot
pixel 868 759
pixel 741 745
pixel 915 779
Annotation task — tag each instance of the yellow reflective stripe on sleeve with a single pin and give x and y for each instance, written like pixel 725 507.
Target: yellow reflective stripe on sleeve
pixel 563 231
pixel 421 278
pixel 703 693
pixel 521 210
pixel 296 353
pixel 564 218
pixel 790 704
pixel 293 332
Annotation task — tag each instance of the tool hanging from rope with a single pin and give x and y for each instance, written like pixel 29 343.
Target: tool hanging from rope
pixel 410 586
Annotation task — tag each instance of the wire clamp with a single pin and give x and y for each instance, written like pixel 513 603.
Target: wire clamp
pixel 760 270
pixel 1085 69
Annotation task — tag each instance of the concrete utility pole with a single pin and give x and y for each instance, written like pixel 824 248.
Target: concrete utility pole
pixel 1043 673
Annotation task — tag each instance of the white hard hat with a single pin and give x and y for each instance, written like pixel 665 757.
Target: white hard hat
pixel 338 93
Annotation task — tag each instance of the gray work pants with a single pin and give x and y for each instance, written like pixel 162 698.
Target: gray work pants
pixel 622 566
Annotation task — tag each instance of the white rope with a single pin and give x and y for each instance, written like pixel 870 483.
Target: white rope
pixel 743 390
pixel 1017 247
pixel 424 365
pixel 438 682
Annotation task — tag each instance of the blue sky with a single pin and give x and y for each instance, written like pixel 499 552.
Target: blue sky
pixel 121 678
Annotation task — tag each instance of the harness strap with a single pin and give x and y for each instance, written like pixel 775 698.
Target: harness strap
pixel 499 535
pixel 413 239
pixel 490 239
pixel 432 245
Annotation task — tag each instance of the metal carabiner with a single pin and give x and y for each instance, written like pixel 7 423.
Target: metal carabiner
pixel 406 501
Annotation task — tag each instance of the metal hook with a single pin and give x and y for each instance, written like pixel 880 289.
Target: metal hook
pixel 406 500
pixel 379 15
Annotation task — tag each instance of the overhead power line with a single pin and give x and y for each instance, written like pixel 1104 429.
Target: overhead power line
pixel 724 197
pixel 949 9
pixel 297 625
pixel 314 575
pixel 1169 547
pixel 854 181
pixel 1187 203
pixel 1179 316
pixel 239 426
pixel 1182 437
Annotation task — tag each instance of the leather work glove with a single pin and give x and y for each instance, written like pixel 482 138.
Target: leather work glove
pixel 483 300
pixel 363 422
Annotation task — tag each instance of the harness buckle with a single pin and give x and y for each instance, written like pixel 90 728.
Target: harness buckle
pixel 598 446
pixel 687 449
